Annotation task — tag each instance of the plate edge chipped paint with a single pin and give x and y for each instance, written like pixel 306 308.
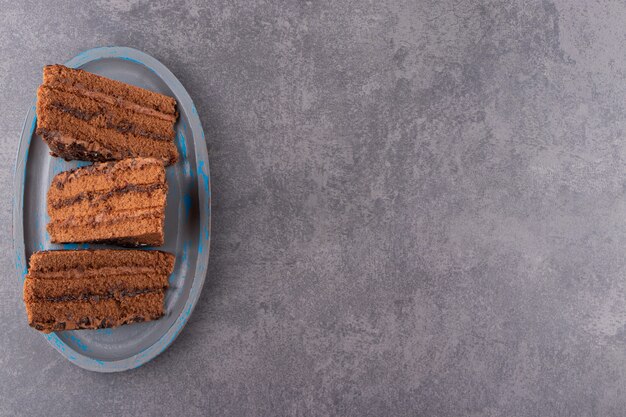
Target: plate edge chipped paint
pixel 204 197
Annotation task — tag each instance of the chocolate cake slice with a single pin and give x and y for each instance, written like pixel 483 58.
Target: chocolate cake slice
pixel 88 117
pixel 94 289
pixel 121 202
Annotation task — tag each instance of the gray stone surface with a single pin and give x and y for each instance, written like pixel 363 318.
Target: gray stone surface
pixel 419 208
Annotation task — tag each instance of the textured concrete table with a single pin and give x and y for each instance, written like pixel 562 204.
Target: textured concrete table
pixel 419 208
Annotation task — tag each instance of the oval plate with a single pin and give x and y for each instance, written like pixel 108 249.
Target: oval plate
pixel 187 217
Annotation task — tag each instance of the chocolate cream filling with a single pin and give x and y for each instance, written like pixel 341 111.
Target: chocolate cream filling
pixel 95 197
pixel 111 294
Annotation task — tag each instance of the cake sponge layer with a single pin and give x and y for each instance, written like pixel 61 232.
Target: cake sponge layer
pixel 78 263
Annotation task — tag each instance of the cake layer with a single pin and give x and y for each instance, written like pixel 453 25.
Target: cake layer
pixel 83 262
pixel 131 197
pixel 103 176
pixel 72 138
pixel 139 228
pixel 89 117
pixel 120 202
pixel 92 289
pixel 115 286
pixel 59 75
pixel 105 116
pixel 49 316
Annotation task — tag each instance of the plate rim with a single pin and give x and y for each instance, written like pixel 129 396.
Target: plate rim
pixel 204 195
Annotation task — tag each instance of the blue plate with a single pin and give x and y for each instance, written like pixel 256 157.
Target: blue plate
pixel 187 217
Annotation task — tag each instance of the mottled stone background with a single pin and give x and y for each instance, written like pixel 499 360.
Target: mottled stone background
pixel 419 208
